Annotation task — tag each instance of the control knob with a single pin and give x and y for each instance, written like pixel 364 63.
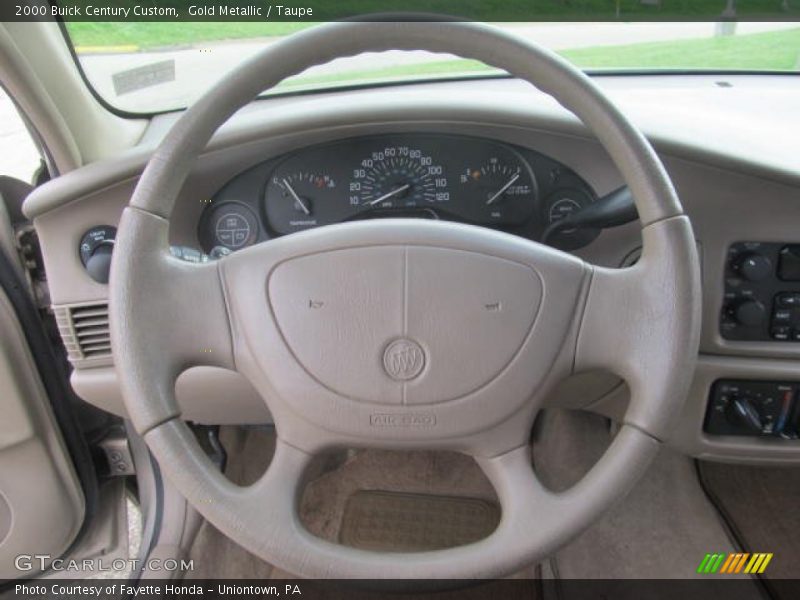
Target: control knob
pixel 750 313
pixel 95 251
pixel 753 266
pixel 741 413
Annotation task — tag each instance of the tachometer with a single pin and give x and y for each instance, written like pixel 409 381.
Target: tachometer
pixel 398 177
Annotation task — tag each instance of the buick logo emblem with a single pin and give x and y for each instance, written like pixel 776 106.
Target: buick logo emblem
pixel 403 359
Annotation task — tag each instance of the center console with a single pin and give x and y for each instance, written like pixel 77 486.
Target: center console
pixel 762 292
pixel 761 303
pixel 766 409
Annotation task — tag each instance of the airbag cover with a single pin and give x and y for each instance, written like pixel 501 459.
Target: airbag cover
pixel 404 324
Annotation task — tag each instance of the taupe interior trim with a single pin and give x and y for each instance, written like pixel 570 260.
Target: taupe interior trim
pixel 19 78
pixel 44 79
pixel 40 494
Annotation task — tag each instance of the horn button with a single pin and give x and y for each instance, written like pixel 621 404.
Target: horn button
pixel 404 325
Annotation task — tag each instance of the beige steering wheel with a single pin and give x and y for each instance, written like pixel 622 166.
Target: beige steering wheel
pixel 404 333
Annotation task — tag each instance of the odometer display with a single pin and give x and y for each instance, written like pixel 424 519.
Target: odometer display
pixel 398 177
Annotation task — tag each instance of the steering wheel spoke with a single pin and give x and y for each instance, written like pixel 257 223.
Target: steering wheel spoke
pixel 177 315
pixel 638 323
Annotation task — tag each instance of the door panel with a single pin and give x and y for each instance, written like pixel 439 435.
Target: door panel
pixel 41 502
pixel 44 497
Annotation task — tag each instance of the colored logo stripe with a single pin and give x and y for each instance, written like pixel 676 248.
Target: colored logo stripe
pixel 710 563
pixel 733 563
pixel 758 563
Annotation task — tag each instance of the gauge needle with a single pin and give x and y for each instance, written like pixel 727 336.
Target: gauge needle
pixel 297 198
pixel 388 195
pixel 502 189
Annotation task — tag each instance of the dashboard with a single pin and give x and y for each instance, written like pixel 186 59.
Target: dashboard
pixel 455 178
pixel 506 158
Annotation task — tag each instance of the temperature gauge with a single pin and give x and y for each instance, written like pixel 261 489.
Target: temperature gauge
pixel 293 199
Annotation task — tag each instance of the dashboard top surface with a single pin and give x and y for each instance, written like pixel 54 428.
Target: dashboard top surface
pixel 741 116
pixel 727 120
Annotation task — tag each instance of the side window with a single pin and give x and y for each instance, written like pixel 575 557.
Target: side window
pixel 19 156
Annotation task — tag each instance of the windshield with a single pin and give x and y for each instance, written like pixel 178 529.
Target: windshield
pixel 155 67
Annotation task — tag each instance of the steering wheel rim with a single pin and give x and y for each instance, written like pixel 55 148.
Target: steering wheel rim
pixel 648 314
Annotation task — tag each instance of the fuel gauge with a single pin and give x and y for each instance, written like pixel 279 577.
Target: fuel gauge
pixel 499 191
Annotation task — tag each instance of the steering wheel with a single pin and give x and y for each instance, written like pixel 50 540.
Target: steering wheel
pixel 404 334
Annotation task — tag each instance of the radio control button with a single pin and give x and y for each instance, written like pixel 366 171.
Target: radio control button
pixel 754 267
pixel 782 315
pixel 781 333
pixel 750 313
pixel 789 299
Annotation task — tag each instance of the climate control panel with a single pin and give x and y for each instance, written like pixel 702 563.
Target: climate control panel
pixel 762 292
pixel 754 408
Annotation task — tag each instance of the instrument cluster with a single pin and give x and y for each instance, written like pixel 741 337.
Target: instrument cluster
pixel 449 177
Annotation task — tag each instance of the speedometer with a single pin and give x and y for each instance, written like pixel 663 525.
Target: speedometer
pixel 398 177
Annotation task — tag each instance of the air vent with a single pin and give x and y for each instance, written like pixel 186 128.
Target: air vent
pixel 84 330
